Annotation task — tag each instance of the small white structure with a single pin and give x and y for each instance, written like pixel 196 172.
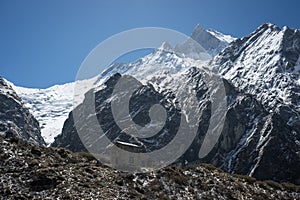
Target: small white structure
pixel 127 157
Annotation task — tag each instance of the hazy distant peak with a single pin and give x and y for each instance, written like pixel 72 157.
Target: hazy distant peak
pixel 166 46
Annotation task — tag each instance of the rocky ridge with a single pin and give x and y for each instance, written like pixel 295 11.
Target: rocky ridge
pixel 15 118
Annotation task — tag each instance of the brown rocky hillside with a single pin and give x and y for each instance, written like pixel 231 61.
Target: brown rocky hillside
pixel 35 172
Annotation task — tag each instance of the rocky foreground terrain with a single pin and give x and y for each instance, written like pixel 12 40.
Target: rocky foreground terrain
pixel 37 172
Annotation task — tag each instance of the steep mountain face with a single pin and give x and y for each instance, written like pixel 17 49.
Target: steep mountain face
pixel 251 135
pixel 250 139
pixel 262 95
pixel 31 172
pixel 162 75
pixel 266 65
pixel 15 118
pixel 142 99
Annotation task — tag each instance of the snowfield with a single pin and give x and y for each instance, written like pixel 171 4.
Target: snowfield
pixel 51 106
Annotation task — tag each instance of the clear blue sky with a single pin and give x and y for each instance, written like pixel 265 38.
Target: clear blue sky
pixel 43 43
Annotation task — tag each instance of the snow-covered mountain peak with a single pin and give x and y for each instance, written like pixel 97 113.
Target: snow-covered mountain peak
pixel 222 37
pixel 276 51
pixel 204 38
pixel 266 64
pixel 165 46
pixel 197 30
pixel 201 40
pixel 268 25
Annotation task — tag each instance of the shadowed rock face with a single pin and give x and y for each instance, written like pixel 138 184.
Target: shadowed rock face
pixel 15 118
pixel 260 136
pixel 140 103
pixel 265 65
pixel 250 137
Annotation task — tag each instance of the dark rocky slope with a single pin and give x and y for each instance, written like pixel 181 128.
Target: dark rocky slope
pixel 38 172
pixel 15 118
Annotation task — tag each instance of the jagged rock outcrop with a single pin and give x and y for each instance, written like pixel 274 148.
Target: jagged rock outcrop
pixel 15 118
